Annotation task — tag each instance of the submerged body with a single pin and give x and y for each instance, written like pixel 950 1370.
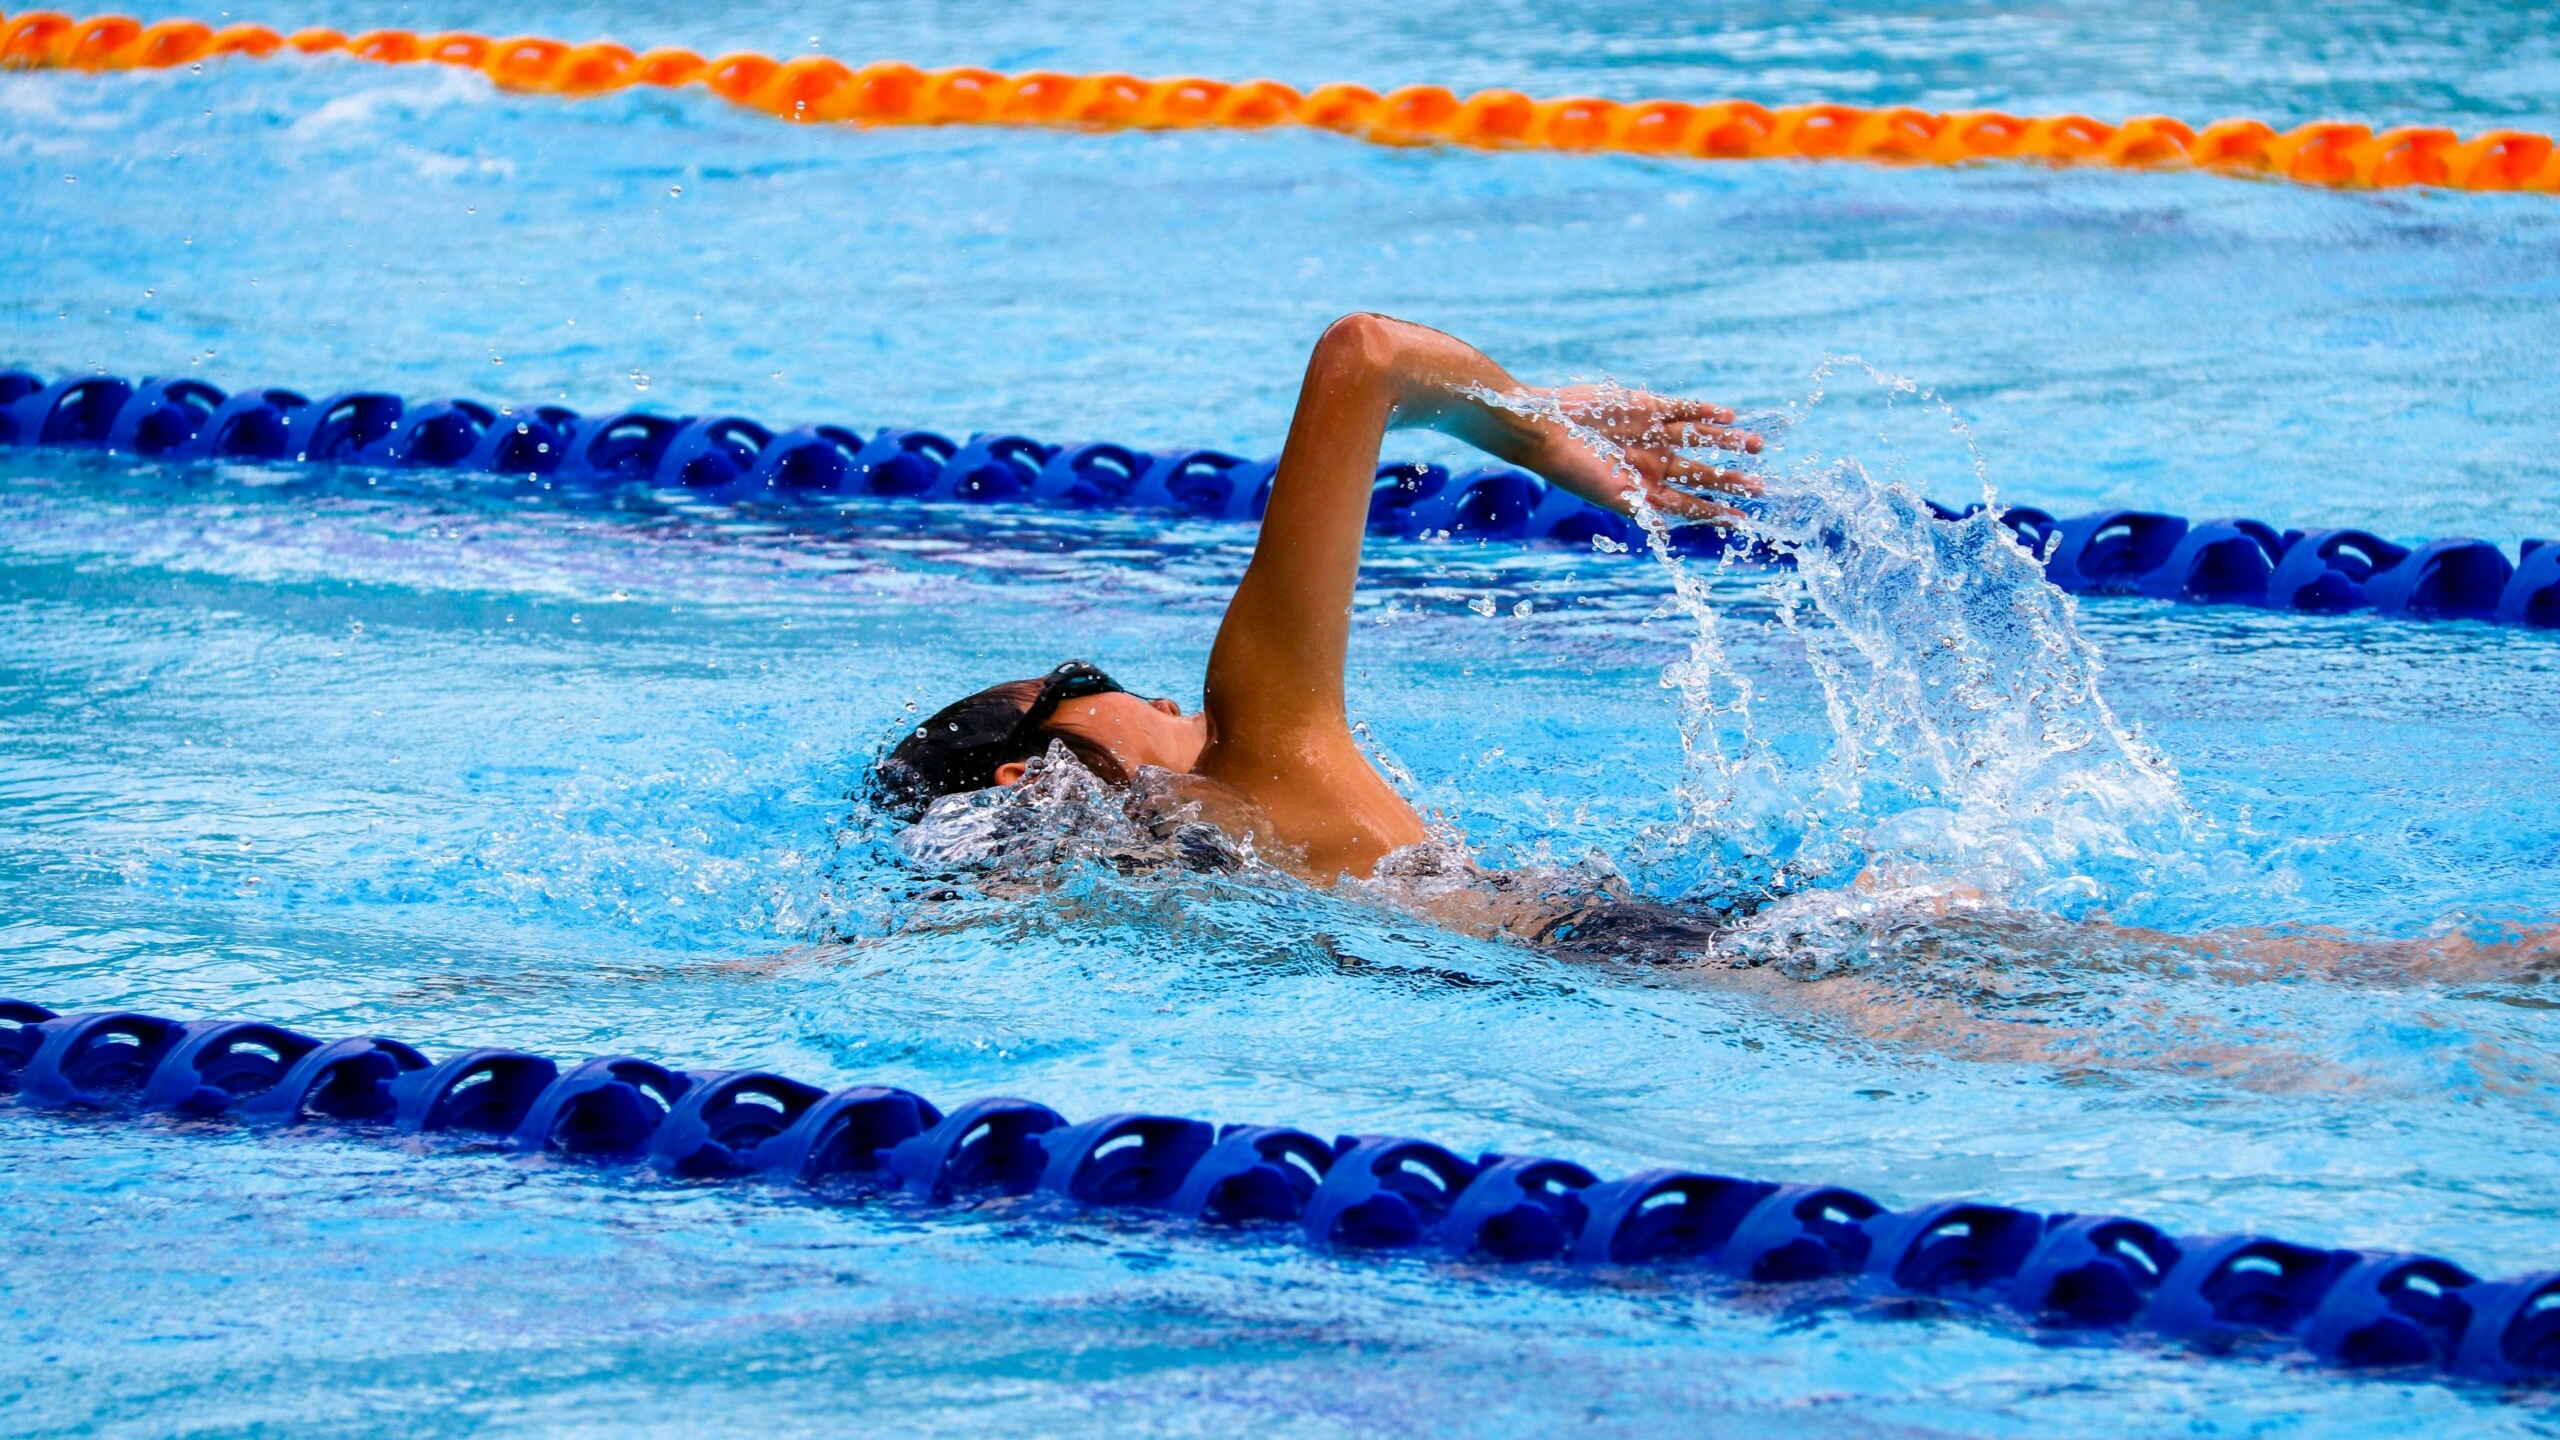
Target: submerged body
pixel 1901 962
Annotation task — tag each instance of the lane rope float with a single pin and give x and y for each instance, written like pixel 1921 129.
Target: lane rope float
pixel 2233 561
pixel 817 88
pixel 2089 1275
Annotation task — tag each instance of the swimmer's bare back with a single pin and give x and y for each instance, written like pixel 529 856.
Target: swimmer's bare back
pixel 1279 735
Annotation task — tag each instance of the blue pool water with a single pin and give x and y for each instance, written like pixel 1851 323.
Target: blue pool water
pixel 375 753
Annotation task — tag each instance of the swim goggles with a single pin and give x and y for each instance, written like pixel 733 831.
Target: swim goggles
pixel 1074 680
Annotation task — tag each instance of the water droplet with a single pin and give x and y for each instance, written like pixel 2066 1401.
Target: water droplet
pixel 675 190
pixel 1522 610
pixel 1482 604
pixel 470 209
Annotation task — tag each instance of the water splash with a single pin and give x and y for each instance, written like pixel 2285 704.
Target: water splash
pixel 1969 741
pixel 1062 816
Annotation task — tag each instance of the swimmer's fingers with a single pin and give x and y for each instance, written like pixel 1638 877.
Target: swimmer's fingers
pixel 1701 435
pixel 1692 422
pixel 1641 408
pixel 1634 417
pixel 1620 486
pixel 1681 504
pixel 1618 446
pixel 1619 400
pixel 1681 488
pixel 1696 425
pixel 1696 475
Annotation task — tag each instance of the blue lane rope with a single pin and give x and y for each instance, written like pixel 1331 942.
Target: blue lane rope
pixel 2081 1274
pixel 2212 562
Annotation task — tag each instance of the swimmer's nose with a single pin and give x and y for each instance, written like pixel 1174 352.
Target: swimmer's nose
pixel 1168 706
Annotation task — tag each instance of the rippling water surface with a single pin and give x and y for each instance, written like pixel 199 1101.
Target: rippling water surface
pixel 362 752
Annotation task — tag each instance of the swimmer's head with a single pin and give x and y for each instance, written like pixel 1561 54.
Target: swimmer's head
pixel 989 738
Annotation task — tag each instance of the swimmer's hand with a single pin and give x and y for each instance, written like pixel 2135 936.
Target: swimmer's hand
pixel 1609 444
pixel 1606 443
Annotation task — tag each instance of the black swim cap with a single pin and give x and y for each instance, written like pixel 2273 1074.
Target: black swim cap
pixel 959 747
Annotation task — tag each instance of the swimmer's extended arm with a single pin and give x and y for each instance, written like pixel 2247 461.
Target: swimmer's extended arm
pixel 1278 729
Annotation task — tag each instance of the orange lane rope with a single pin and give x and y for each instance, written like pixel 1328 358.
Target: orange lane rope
pixel 815 88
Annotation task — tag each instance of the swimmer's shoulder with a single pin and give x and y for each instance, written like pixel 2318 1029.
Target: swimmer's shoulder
pixel 1318 794
pixel 1172 800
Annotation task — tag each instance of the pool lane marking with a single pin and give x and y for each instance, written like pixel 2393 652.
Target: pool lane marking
pixel 819 89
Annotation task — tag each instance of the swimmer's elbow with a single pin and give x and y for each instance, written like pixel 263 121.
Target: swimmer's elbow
pixel 1359 348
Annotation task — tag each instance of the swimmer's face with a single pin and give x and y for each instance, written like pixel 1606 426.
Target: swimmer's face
pixel 1128 732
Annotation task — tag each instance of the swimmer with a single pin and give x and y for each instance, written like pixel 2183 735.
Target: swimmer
pixel 1269 757
pixel 1269 764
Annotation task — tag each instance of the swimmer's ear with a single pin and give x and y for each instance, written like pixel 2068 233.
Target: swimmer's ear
pixel 1011 772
